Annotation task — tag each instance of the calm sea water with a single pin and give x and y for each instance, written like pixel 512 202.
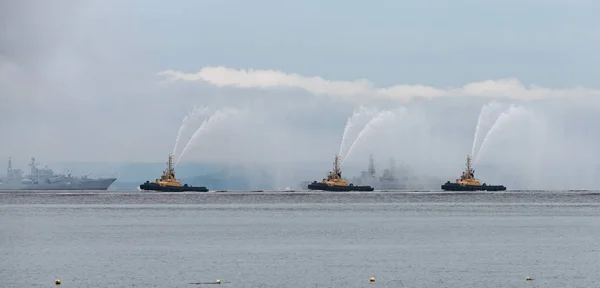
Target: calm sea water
pixel 300 239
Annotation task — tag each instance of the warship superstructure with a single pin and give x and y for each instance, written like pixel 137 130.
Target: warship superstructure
pixel 168 182
pixel 334 181
pixel 46 179
pixel 468 182
pixel 394 178
pixel 389 180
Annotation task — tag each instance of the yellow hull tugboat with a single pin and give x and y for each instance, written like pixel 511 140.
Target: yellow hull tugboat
pixel 467 182
pixel 168 182
pixel 334 181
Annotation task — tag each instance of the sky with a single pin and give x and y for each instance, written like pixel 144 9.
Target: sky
pixel 111 81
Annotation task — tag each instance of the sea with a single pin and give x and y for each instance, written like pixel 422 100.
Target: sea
pixel 300 239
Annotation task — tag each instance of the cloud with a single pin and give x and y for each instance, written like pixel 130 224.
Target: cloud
pixel 509 88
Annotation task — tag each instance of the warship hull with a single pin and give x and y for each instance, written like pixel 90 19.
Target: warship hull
pixel 335 188
pixel 76 184
pixel 162 188
pixel 459 187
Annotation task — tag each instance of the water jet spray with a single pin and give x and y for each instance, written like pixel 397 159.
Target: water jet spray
pixel 208 123
pixel 504 118
pixel 352 122
pixel 487 115
pixel 192 115
pixel 377 120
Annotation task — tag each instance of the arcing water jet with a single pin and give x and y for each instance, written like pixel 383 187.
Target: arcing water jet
pixel 352 121
pixel 193 115
pixel 502 120
pixel 208 123
pixel 346 129
pixel 377 120
pixel 489 113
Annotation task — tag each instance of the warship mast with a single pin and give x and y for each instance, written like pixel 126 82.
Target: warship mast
pixel 9 171
pixel 33 170
pixel 371 166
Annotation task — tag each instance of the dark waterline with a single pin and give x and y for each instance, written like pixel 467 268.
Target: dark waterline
pixel 300 239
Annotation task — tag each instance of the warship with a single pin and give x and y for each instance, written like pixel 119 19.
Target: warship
pixel 387 181
pixel 168 182
pixel 334 181
pixel 396 177
pixel 46 179
pixel 468 182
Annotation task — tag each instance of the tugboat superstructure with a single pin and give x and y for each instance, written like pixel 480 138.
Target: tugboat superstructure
pixel 168 182
pixel 468 182
pixel 335 182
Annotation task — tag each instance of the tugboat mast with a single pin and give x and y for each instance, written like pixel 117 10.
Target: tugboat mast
pixel 336 166
pixel 470 171
pixel 170 163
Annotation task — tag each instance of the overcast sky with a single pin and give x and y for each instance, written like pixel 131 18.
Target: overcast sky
pixel 112 80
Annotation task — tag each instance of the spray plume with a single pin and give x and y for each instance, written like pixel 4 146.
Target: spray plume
pixel 352 122
pixel 192 116
pixel 488 114
pixel 377 120
pixel 501 121
pixel 208 124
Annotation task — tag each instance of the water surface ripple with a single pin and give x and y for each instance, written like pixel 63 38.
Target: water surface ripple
pixel 300 239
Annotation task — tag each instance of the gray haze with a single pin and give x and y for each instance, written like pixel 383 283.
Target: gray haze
pixel 79 82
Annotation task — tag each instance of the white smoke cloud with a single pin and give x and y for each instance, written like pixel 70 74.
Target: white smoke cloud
pixel 510 88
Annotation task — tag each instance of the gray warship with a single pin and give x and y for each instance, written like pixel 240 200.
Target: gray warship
pixel 46 179
pixel 393 178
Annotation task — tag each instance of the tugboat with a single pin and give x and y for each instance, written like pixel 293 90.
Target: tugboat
pixel 467 182
pixel 168 182
pixel 334 181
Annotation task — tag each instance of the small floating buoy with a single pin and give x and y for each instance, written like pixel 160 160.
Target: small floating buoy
pixel 528 278
pixel 218 281
pixel 57 282
pixel 372 279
